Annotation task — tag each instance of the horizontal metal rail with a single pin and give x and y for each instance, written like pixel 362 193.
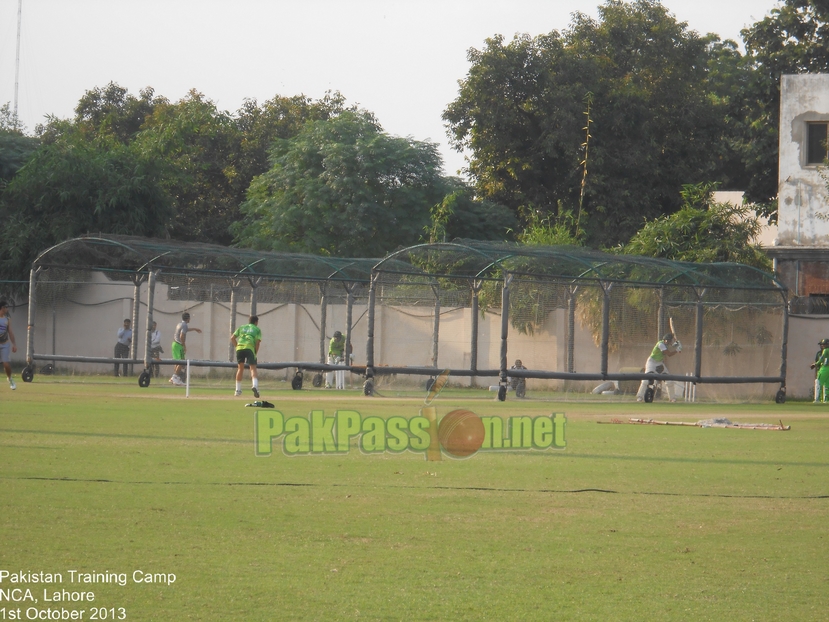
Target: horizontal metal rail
pixel 426 371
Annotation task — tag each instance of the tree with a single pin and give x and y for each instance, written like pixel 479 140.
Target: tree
pixel 199 148
pixel 113 111
pixel 280 117
pixel 790 40
pixel 461 215
pixel 212 156
pixel 342 187
pixel 15 146
pixel 73 187
pixel 653 125
pixel 9 122
pixel 703 231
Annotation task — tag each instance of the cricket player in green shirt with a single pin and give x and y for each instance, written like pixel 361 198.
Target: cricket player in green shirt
pixel 656 364
pixel 246 340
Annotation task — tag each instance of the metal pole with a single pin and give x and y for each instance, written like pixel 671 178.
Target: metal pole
pixel 323 319
pixel 149 334
pixel 253 285
pixel 234 289
pixel 436 327
pixel 54 329
pixel 698 344
pixel 660 315
pixel 784 347
pixel 30 336
pixel 349 317
pixel 370 325
pixel 571 330
pixel 504 327
pixel 605 324
pixel 136 301
pixel 473 349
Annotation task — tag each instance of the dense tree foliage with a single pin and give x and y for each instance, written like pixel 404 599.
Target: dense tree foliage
pixel 212 156
pixel 15 150
pixel 703 231
pixel 69 188
pixel 343 187
pixel 583 134
pixel 522 111
pixel 15 146
pixel 461 215
pixel 204 158
pixel 112 111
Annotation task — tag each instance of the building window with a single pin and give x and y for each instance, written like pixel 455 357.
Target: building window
pixel 817 151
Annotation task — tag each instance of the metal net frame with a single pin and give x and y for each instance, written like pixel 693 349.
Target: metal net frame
pixel 600 313
pixel 574 316
pixel 96 271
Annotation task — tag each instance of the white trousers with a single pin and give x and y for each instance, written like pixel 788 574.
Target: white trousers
pixel 650 368
pixel 338 376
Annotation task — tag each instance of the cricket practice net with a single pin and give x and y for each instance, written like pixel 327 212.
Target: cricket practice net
pixel 581 322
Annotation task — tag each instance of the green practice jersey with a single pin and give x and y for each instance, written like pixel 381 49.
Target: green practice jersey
pixel 336 347
pixel 658 353
pixel 247 336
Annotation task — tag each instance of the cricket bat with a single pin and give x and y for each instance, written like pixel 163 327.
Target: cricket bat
pixel 676 337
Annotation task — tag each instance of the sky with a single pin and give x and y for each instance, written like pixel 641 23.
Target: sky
pixel 399 59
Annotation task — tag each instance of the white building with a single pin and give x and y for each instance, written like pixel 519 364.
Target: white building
pixel 801 251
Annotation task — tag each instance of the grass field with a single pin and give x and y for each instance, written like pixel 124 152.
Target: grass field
pixel 628 522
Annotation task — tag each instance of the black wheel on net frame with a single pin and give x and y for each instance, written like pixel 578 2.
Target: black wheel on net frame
pixel 144 379
pixel 28 373
pixel 649 395
pixel 317 380
pixel 502 393
pixel 296 383
pixel 780 398
pixel 368 388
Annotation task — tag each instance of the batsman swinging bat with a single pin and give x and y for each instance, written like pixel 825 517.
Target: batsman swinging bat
pixel 430 412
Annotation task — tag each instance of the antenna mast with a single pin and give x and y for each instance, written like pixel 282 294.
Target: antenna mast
pixel 17 61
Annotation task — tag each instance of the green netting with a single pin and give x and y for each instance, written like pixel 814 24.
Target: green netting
pixel 575 317
pixel 477 259
pixel 123 256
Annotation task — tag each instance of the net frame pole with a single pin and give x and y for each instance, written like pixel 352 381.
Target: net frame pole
pixel 323 320
pixel 149 333
pixel 571 328
pixel 784 346
pixel 606 287
pixel 30 335
pixel 700 312
pixel 137 281
pixel 372 299
pixel 349 318
pixel 502 376
pixel 475 286
pixel 660 315
pixel 436 325
pixel 234 302
pixel 54 329
pixel 254 283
